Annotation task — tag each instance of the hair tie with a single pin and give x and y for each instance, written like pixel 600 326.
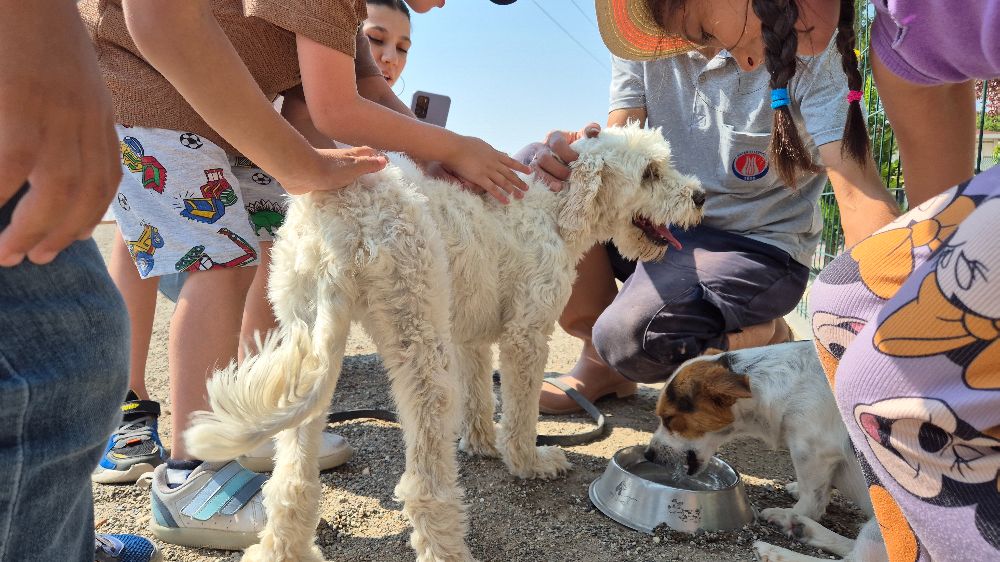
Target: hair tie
pixel 854 96
pixel 779 98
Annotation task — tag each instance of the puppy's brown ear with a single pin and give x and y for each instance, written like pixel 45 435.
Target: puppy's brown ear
pixel 742 389
pixel 726 388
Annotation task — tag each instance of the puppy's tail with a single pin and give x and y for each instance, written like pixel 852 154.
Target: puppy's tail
pixel 289 381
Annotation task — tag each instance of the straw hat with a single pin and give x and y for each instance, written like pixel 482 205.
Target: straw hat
pixel 630 31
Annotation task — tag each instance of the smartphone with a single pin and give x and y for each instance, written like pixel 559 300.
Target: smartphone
pixel 432 108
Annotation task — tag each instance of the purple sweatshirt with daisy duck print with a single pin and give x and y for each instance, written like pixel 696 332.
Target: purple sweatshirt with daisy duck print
pixel 907 322
pixel 938 41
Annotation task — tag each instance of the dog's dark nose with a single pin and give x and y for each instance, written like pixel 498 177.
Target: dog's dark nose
pixel 698 198
pixel 650 455
pixel 692 462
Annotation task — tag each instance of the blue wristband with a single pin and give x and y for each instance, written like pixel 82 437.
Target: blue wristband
pixel 779 98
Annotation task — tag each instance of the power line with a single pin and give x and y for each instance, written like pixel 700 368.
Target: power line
pixel 603 64
pixel 584 14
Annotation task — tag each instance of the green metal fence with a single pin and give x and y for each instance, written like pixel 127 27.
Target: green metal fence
pixel 885 153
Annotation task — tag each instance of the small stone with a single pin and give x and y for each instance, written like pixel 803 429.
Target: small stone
pixel 657 540
pixel 366 471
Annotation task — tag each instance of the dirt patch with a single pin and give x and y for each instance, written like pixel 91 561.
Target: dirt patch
pixel 510 519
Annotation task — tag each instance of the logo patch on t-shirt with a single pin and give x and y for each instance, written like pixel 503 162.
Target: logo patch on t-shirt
pixel 750 165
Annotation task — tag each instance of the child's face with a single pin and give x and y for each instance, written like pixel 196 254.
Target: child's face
pixel 421 6
pixel 388 32
pixel 733 25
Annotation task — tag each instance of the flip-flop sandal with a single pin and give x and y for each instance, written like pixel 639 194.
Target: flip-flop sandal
pixel 552 378
pixel 599 430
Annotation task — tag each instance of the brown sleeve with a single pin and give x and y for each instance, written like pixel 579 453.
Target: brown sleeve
pixel 333 23
pixel 364 62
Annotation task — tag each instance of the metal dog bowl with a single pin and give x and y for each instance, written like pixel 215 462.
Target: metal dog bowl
pixel 642 495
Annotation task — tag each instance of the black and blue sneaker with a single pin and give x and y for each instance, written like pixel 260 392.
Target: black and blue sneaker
pixel 135 448
pixel 125 548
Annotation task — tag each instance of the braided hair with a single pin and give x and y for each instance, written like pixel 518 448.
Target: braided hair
pixel 856 144
pixel 781 41
pixel 781 44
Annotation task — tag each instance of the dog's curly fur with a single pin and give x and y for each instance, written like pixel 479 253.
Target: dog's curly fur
pixel 436 276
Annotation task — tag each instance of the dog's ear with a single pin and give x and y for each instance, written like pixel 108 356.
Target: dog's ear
pixel 723 386
pixel 584 184
pixel 730 388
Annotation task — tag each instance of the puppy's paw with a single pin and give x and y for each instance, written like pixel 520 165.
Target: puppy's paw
pixel 787 520
pixel 793 489
pixel 767 552
pixel 548 462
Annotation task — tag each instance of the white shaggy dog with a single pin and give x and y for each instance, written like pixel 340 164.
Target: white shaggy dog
pixel 436 276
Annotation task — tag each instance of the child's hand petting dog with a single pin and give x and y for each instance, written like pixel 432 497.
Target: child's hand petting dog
pixel 550 160
pixel 478 163
pixel 335 169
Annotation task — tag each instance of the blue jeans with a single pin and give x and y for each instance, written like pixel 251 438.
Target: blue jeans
pixel 63 374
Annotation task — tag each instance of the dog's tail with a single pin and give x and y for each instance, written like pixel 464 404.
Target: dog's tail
pixel 289 381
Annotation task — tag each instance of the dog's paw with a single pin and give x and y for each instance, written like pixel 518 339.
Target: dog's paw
pixel 260 553
pixel 479 445
pixel 427 556
pixel 793 489
pixel 769 553
pixel 548 462
pixel 787 520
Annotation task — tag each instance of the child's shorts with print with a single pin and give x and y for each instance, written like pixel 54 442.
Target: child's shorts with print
pixel 185 205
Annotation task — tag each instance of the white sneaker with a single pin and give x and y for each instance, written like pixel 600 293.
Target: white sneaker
pixel 220 505
pixel 333 451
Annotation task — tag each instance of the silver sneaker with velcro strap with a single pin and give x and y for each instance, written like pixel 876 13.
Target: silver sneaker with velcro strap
pixel 220 505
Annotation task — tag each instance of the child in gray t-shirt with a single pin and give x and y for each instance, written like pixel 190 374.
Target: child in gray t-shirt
pixel 745 267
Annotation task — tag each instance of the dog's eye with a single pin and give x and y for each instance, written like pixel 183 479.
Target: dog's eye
pixel 651 174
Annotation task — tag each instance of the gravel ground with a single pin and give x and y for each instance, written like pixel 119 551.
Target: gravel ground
pixel 510 519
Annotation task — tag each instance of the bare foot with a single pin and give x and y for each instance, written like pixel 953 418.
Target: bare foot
pixel 592 377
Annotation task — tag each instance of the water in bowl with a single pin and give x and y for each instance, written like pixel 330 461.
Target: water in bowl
pixel 709 480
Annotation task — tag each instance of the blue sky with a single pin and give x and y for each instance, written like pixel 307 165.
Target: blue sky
pixel 511 73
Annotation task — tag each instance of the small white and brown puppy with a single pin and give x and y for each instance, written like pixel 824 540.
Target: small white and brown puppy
pixel 778 394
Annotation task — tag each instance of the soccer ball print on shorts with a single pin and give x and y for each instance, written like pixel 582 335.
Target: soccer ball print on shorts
pixel 185 205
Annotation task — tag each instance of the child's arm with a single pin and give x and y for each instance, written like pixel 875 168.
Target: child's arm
pixel 376 89
pixel 340 112
pixel 294 110
pixel 185 43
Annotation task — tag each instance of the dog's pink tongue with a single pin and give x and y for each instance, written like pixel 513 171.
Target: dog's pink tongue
pixel 664 231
